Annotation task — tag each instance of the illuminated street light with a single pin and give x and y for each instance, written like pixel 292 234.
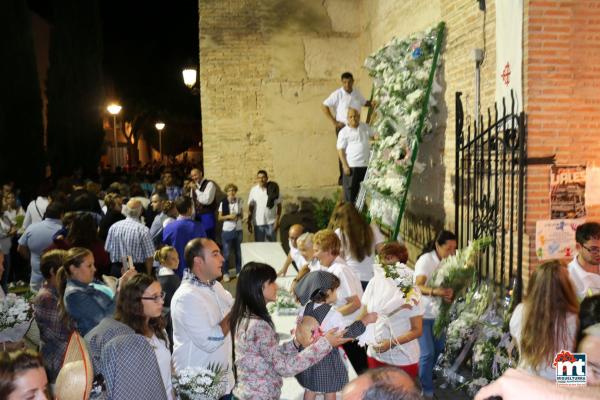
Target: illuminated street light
pixel 114 109
pixel 189 77
pixel 159 127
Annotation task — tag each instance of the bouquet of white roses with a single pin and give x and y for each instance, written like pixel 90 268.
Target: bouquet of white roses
pixel 196 383
pixel 15 318
pixel 456 272
pixel 285 304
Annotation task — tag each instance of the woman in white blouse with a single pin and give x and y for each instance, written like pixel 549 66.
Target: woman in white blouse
pixel 140 306
pixel 359 240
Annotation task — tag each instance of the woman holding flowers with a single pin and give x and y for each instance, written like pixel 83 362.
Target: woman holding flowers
pixel 442 246
pixel 550 306
pixel 396 334
pixel 260 360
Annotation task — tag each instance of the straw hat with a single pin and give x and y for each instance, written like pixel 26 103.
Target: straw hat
pixel 74 381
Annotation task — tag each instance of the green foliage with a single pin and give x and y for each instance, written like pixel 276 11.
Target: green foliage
pixel 324 208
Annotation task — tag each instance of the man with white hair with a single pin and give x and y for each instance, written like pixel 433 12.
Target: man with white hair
pixel 130 237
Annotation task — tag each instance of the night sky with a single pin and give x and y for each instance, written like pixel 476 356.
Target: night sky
pixel 146 45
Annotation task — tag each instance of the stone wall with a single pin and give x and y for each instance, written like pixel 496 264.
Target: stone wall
pixel 265 68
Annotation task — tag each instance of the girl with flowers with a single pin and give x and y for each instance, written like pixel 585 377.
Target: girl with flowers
pixel 396 334
pixel 550 306
pixel 260 360
pixel 442 246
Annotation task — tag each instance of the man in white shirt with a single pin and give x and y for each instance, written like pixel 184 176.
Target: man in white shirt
pixel 202 192
pixel 335 107
pixel 262 219
pixel 200 311
pixel 294 255
pixel 584 270
pixel 353 152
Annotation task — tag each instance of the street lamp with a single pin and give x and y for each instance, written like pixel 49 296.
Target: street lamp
pixel 159 127
pixel 114 109
pixel 189 77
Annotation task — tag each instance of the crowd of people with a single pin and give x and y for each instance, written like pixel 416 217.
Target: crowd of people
pixel 136 268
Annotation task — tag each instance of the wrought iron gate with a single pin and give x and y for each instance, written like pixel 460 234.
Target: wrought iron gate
pixel 489 190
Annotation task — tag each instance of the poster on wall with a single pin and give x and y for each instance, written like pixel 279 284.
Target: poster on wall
pixel 567 192
pixel 555 238
pixel 592 186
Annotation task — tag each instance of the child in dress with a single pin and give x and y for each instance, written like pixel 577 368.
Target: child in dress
pixel 317 292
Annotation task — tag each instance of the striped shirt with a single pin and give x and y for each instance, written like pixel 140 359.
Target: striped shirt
pixel 129 238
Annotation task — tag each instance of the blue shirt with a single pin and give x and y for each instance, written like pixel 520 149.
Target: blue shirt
pixel 178 233
pixel 173 192
pixel 37 238
pixel 87 306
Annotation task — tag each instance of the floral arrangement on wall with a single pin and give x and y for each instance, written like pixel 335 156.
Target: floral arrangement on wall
pixel 401 73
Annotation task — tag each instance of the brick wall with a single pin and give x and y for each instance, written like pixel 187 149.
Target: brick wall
pixel 563 96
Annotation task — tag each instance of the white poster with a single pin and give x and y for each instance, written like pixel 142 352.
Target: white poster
pixel 592 186
pixel 509 52
pixel 555 238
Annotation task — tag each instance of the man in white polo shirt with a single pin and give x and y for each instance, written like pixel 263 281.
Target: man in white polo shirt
pixel 335 107
pixel 353 151
pixel 584 270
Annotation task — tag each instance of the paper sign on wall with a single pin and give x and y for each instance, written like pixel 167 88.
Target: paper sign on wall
pixel 592 186
pixel 555 238
pixel 567 192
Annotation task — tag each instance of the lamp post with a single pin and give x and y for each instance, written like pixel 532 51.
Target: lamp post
pixel 159 127
pixel 114 109
pixel 189 77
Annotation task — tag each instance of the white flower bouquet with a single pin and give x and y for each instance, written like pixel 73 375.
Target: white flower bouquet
pixel 456 273
pixel 196 383
pixel 285 304
pixel 389 291
pixel 15 318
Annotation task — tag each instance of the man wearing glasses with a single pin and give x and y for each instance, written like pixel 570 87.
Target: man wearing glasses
pixel 584 270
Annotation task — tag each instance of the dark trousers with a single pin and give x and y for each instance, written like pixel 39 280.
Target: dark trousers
pixel 351 183
pixel 357 356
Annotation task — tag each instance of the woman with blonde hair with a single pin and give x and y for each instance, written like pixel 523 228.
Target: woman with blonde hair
pixel 359 240
pixel 550 306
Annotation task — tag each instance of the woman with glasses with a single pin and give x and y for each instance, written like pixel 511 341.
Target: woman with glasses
pixel 140 306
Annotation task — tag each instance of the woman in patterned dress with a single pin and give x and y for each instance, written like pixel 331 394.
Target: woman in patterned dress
pixel 260 361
